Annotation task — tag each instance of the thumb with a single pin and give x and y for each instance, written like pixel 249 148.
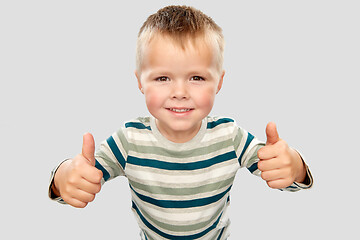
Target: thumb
pixel 88 148
pixel 272 135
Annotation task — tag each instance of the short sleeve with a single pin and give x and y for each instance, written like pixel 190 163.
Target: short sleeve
pixel 111 155
pixel 246 147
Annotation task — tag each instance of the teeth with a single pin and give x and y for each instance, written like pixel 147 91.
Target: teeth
pixel 180 110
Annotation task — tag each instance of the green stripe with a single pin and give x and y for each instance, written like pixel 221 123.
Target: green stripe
pixel 254 158
pixel 180 154
pixel 238 138
pixel 108 162
pixel 123 139
pixel 182 191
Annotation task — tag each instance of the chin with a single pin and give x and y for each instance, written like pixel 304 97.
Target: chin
pixel 183 127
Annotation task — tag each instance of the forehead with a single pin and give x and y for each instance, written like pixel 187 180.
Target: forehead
pixel 161 47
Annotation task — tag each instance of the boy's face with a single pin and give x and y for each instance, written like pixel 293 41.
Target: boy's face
pixel 179 85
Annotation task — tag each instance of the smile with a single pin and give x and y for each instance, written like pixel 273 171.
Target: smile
pixel 180 110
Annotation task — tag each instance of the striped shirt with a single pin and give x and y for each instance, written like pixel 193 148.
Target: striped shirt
pixel 180 190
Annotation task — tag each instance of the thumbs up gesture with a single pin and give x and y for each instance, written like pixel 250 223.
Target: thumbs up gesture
pixel 280 165
pixel 77 180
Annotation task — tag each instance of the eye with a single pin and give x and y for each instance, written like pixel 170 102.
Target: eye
pixel 162 79
pixel 197 78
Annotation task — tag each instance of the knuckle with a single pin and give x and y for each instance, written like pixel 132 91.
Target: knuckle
pixel 91 198
pixel 77 163
pixel 270 184
pixel 98 188
pixel 67 190
pixel 66 198
pixel 263 175
pixel 274 185
pixel 81 204
pixel 287 162
pixel 72 180
pixel 99 175
pixel 260 153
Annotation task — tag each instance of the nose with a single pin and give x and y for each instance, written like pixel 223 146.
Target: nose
pixel 180 90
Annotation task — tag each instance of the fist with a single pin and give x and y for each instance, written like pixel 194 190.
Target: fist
pixel 280 165
pixel 78 180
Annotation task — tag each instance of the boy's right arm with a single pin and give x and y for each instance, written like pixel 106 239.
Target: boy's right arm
pixel 77 181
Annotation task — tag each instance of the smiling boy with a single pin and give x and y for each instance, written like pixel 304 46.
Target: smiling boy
pixel 180 162
pixel 179 84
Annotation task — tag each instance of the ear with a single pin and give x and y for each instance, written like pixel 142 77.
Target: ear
pixel 139 82
pixel 220 81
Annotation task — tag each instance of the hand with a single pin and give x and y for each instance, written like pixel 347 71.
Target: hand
pixel 78 180
pixel 280 165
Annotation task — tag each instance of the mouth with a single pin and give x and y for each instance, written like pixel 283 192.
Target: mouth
pixel 180 110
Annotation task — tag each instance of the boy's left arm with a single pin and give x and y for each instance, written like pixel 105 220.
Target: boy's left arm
pixel 281 166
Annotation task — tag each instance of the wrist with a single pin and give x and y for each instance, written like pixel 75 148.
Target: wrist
pixel 301 173
pixel 54 191
pixel 57 172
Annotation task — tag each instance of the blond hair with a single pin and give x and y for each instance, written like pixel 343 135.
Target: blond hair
pixel 181 24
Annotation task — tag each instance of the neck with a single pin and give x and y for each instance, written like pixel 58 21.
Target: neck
pixel 178 136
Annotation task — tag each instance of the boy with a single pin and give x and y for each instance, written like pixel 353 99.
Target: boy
pixel 180 163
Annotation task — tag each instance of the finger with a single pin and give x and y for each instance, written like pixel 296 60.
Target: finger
pixel 76 203
pixel 268 152
pixel 88 148
pixel 83 196
pixel 272 135
pixel 269 164
pixel 272 175
pixel 86 186
pixel 92 174
pixel 279 183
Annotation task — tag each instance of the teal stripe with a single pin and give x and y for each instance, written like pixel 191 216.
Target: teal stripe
pixel 248 141
pixel 181 166
pixel 211 125
pixel 106 174
pixel 182 203
pixel 253 167
pixel 114 148
pixel 221 233
pixel 136 125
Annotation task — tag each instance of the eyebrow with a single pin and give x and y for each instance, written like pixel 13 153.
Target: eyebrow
pixel 192 72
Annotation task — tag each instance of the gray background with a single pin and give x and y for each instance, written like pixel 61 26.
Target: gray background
pixel 66 67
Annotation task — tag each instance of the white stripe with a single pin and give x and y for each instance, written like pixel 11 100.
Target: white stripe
pixel 105 149
pixel 218 132
pixel 250 152
pixel 119 145
pixel 135 136
pixel 203 182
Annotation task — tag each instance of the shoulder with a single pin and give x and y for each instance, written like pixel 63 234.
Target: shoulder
pixel 222 126
pixel 140 123
pixel 218 122
pixel 138 129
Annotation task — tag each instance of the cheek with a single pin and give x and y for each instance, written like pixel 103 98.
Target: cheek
pixel 153 99
pixel 205 98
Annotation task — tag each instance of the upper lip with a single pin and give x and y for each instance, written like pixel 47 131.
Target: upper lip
pixel 179 108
